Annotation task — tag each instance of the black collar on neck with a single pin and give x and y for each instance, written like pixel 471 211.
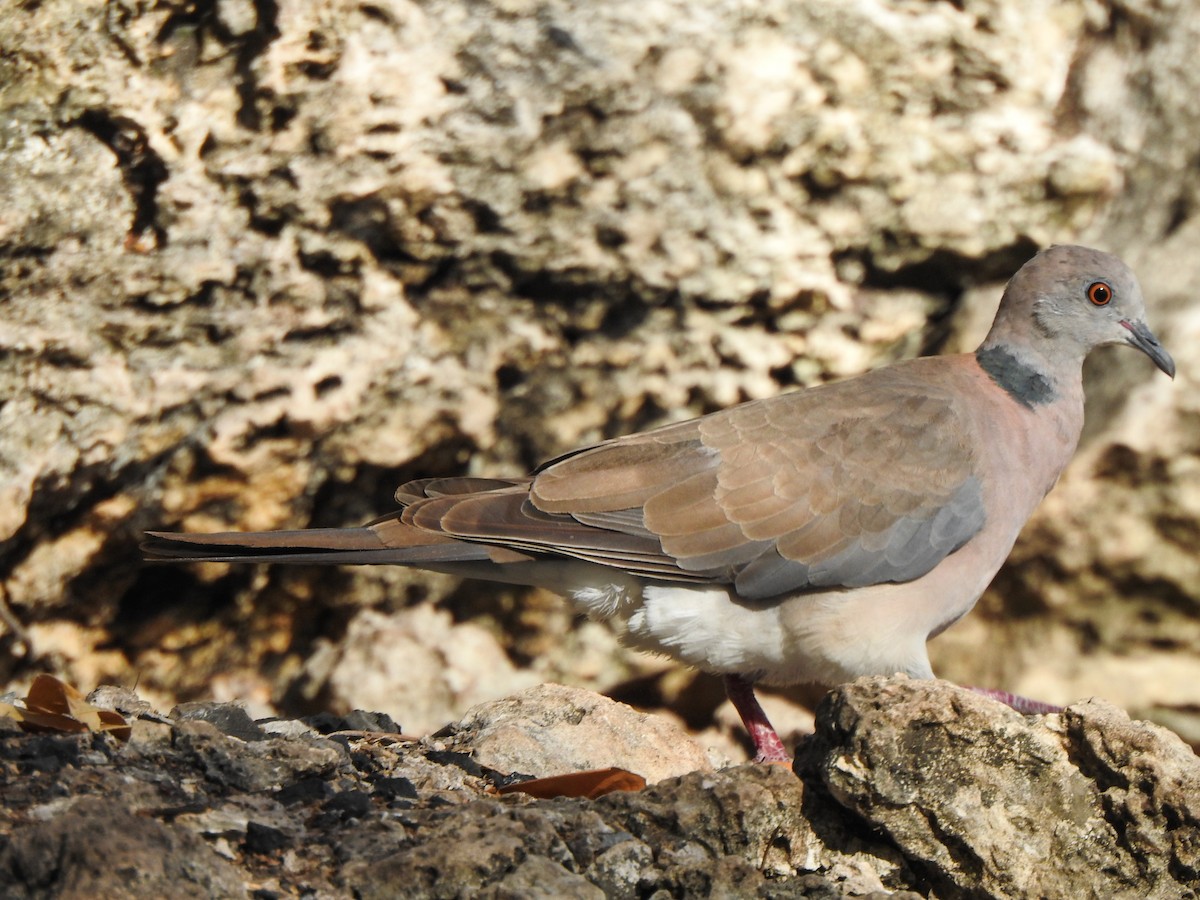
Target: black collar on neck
pixel 1022 382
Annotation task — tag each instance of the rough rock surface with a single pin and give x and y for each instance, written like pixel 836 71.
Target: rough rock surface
pixel 551 729
pixel 977 798
pixel 907 789
pixel 262 261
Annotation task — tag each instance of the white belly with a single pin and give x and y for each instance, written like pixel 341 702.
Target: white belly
pixel 826 637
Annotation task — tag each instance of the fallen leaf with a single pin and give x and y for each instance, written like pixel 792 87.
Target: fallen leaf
pixel 590 785
pixel 114 723
pixel 48 694
pixel 37 720
pixel 54 705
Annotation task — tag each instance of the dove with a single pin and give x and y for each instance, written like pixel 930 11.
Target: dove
pixel 815 536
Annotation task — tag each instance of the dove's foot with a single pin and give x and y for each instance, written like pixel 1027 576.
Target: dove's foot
pixel 767 744
pixel 1023 705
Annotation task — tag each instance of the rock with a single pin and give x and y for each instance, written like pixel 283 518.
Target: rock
pixel 119 699
pixel 229 718
pixel 554 730
pixel 97 848
pixel 682 836
pixel 276 763
pixel 419 666
pixel 906 789
pixel 286 727
pixel 329 246
pixel 978 798
pixel 540 879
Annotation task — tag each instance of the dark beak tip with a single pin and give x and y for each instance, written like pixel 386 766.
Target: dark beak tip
pixel 1162 359
pixel 1141 337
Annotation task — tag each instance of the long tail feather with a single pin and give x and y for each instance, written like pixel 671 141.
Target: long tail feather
pixel 316 546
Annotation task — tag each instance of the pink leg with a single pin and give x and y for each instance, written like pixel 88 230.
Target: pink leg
pixel 769 748
pixel 1023 705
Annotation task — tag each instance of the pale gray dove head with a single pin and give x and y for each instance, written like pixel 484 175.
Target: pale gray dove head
pixel 1067 301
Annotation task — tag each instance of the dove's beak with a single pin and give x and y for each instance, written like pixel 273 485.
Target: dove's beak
pixel 1143 338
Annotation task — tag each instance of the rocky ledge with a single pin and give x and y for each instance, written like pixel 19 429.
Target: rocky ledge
pixel 905 789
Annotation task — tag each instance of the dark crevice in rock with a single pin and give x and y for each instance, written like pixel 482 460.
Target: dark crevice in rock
pixel 368 220
pixel 142 169
pixel 250 47
pixel 941 271
pixel 370 490
pixel 61 506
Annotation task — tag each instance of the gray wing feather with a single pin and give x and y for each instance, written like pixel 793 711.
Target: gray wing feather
pixel 866 481
pixel 905 551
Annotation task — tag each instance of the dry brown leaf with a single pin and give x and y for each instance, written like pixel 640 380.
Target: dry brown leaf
pixel 589 785
pixel 54 705
pixel 114 723
pixel 36 720
pixel 48 694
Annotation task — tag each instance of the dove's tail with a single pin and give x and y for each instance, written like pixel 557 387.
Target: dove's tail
pixel 314 546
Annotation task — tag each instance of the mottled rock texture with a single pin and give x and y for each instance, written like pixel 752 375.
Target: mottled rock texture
pixel 982 801
pixel 552 729
pixel 262 260
pixel 907 789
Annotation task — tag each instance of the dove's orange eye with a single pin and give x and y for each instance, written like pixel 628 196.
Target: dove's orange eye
pixel 1099 293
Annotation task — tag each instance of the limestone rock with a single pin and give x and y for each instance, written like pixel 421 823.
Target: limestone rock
pixel 94 848
pixel 978 798
pixel 553 730
pixel 907 789
pixel 260 266
pixel 416 665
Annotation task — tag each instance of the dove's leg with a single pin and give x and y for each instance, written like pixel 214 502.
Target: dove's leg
pixel 767 744
pixel 1023 705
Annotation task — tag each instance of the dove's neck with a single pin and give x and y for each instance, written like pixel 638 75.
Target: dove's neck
pixel 1022 379
pixel 1029 376
pixel 1028 355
